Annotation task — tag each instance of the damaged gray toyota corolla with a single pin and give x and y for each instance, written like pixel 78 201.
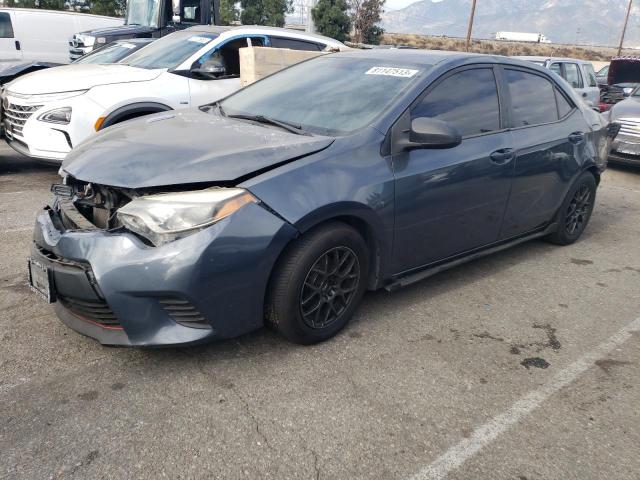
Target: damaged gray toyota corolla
pixel 287 200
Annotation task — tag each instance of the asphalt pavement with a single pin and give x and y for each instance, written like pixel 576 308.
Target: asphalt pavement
pixel 523 365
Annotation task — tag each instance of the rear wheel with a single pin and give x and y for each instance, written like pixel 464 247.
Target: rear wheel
pixel 318 284
pixel 576 211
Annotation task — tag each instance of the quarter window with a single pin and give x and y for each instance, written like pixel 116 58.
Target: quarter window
pixel 467 100
pixel 556 68
pixel 6 30
pixel 532 99
pixel 572 75
pixel 564 107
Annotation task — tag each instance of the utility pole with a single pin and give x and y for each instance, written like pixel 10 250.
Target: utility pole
pixel 624 29
pixel 470 29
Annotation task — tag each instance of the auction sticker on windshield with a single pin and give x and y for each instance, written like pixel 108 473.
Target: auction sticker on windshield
pixel 392 72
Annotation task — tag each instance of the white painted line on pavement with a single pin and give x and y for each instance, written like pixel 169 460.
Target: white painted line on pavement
pixel 457 455
pixel 13 193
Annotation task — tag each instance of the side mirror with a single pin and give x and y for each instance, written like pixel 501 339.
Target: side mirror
pixel 432 133
pixel 212 68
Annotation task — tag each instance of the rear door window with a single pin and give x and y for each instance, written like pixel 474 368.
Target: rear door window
pixel 467 100
pixel 293 44
pixel 533 99
pixel 6 29
pixel 572 75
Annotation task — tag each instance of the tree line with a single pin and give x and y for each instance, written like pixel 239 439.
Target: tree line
pixel 354 20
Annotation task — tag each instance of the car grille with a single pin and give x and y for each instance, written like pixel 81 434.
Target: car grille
pixel 629 127
pixel 183 312
pixel 17 116
pixel 95 310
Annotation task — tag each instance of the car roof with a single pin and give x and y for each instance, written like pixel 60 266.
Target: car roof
pixel 434 57
pixel 539 58
pixel 262 30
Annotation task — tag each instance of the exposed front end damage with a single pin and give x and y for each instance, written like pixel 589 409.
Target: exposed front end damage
pixel 117 287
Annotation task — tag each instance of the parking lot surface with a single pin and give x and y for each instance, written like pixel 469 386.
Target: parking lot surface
pixel 522 365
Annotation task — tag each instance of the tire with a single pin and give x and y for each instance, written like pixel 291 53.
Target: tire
pixel 307 305
pixel 575 211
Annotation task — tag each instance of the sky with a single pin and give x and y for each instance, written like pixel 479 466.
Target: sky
pixel 398 4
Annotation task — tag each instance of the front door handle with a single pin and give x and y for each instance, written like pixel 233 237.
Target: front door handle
pixel 18 45
pixel 502 156
pixel 576 137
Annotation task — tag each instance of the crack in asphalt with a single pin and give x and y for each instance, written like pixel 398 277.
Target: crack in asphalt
pixel 315 463
pixel 238 395
pixel 251 415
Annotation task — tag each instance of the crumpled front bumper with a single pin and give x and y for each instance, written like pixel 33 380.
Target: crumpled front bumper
pixel 114 288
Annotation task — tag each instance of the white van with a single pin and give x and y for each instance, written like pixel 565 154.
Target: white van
pixel 43 35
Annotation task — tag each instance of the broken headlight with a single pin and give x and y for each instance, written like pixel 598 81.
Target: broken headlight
pixel 166 217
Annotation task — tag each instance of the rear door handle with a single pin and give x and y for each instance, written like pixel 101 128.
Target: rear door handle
pixel 17 45
pixel 502 156
pixel 576 137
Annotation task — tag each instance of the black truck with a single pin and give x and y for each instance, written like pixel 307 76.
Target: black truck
pixel 148 19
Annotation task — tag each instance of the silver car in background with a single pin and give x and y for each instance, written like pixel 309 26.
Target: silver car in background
pixel 626 147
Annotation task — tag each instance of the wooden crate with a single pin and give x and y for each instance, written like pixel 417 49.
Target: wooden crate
pixel 258 62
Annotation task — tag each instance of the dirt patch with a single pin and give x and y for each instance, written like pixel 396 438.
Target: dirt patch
pixel 581 261
pixel 607 364
pixel 495 47
pixel 536 362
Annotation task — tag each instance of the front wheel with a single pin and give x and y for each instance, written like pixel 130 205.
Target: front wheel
pixel 318 284
pixel 576 211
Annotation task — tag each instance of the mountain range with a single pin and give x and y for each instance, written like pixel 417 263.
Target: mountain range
pixel 586 22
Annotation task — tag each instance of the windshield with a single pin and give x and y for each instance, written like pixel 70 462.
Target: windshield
pixel 111 53
pixel 327 95
pixel 143 12
pixel 170 51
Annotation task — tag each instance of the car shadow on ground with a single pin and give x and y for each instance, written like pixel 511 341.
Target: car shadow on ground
pixel 13 162
pixel 267 342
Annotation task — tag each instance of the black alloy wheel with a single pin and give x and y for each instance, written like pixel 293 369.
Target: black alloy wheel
pixel 318 283
pixel 329 287
pixel 576 210
pixel 579 210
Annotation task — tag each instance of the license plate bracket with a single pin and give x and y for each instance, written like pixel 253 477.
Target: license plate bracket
pixel 41 280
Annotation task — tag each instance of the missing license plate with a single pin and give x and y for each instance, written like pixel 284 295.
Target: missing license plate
pixel 40 280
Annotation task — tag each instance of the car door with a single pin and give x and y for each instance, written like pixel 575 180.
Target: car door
pixel 10 48
pixel 549 136
pixel 452 200
pixel 207 90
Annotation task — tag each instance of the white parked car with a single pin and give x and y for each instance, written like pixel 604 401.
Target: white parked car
pixel 43 35
pixel 47 113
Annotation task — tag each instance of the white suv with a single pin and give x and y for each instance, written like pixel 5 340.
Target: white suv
pixel 47 113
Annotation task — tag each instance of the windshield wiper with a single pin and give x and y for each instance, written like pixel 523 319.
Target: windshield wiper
pixel 290 127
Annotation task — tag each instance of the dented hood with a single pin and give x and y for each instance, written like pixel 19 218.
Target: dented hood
pixel 189 146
